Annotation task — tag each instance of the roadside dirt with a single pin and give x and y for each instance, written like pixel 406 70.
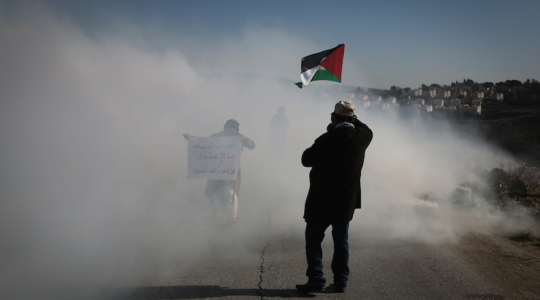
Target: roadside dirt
pixel 511 266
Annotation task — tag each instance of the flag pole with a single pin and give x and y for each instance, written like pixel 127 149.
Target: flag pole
pixel 339 93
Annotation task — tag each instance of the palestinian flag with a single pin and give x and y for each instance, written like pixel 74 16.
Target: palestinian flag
pixel 325 65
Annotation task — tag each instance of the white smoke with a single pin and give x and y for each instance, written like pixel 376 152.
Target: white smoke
pixel 94 163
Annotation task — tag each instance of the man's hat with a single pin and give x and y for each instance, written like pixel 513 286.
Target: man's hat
pixel 232 123
pixel 344 108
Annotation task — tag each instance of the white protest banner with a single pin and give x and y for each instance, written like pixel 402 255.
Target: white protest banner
pixel 214 157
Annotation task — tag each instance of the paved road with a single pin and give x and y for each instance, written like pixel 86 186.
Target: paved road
pixel 269 267
pixel 395 269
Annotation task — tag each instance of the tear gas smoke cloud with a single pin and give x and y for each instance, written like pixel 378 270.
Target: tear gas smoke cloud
pixel 93 183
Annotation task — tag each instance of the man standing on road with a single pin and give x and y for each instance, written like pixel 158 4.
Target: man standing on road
pixel 336 159
pixel 224 193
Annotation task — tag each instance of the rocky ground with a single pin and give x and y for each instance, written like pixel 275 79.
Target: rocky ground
pixel 498 221
pixel 504 251
pixel 512 265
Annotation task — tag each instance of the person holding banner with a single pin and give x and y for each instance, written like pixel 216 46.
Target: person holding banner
pixel 224 193
pixel 336 159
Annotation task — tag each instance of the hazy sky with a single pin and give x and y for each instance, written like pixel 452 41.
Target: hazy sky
pixel 404 43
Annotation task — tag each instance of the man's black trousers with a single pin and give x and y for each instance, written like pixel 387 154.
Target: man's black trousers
pixel 340 260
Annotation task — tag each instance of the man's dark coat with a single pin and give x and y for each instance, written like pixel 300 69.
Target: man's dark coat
pixel 336 159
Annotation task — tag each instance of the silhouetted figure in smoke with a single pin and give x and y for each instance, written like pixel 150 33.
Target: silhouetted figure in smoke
pixel 279 125
pixel 224 193
pixel 336 159
pixel 408 112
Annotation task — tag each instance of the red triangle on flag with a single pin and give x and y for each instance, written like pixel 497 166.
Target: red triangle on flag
pixel 334 62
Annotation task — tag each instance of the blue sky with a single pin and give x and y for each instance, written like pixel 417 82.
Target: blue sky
pixel 404 43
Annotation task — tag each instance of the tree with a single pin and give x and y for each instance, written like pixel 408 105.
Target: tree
pixel 510 97
pixel 535 86
pixel 435 85
pixel 487 84
pixel 511 83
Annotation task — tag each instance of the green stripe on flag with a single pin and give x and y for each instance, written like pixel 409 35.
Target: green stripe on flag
pixel 321 74
pixel 324 75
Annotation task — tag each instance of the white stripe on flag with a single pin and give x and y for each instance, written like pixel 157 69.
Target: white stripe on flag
pixel 308 75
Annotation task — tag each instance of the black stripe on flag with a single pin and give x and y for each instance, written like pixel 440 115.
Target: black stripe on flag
pixel 313 60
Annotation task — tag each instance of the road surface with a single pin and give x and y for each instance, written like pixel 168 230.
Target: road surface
pixel 271 266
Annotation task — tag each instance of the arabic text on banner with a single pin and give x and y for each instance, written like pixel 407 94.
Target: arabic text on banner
pixel 214 157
